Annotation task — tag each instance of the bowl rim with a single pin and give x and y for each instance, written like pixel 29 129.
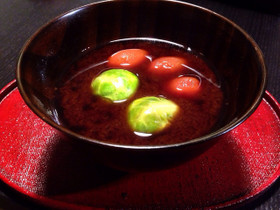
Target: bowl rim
pixel 226 128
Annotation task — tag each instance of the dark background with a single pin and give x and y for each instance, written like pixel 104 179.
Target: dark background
pixel 19 19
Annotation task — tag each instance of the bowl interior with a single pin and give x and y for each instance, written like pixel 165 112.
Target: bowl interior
pixel 236 57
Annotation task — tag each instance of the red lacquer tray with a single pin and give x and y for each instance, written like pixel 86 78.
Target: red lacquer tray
pixel 36 161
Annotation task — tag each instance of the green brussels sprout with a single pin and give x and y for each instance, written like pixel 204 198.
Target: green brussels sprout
pixel 115 84
pixel 151 114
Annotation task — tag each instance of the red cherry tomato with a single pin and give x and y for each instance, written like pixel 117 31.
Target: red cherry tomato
pixel 184 86
pixel 166 66
pixel 128 58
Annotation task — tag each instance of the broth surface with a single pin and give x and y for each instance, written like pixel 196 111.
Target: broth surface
pixel 94 117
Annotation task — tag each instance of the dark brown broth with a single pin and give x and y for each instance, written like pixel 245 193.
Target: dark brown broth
pixel 91 116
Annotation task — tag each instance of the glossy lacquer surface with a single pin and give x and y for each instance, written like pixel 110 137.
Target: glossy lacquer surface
pixel 40 163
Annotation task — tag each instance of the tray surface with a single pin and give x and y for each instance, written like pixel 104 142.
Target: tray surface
pixel 47 168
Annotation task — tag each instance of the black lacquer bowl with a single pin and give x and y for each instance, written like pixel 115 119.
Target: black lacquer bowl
pixel 236 56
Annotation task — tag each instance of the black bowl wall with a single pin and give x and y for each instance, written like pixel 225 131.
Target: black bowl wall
pixel 236 57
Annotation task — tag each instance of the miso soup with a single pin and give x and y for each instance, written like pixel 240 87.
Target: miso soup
pixel 161 71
